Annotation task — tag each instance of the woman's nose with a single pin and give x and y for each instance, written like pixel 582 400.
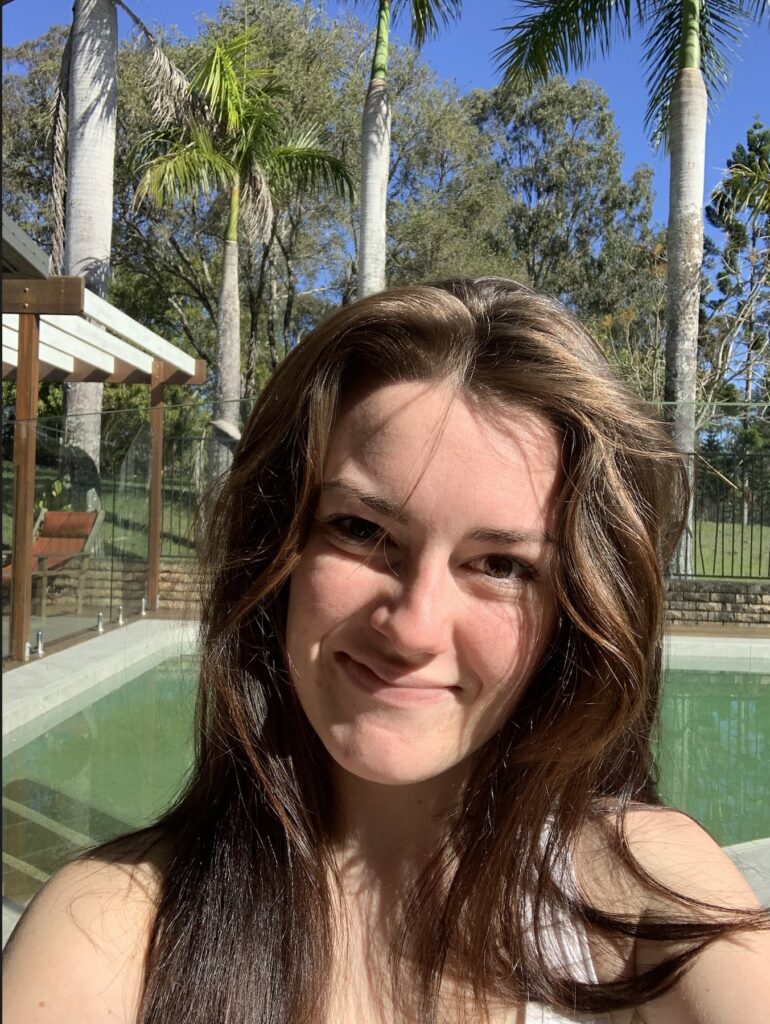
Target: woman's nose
pixel 416 614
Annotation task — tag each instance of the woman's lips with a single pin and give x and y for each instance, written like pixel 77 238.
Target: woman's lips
pixel 401 692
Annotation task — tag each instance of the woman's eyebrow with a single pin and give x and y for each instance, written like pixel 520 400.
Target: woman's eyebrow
pixel 489 536
pixel 374 501
pixel 485 535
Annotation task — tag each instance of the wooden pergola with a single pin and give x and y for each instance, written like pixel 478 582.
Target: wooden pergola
pixel 56 329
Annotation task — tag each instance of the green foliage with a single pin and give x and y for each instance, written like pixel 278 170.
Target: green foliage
pixel 57 496
pixel 30 71
pixel 553 37
pixel 736 306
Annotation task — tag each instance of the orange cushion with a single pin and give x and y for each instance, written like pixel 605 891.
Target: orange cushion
pixel 67 524
pixel 58 545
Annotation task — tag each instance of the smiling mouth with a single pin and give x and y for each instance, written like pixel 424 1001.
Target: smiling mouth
pixel 405 691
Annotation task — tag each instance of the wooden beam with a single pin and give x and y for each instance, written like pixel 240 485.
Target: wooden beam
pixel 24 436
pixel 21 256
pixel 174 376
pixel 84 371
pixel 156 483
pixel 53 295
pixel 137 334
pixel 125 373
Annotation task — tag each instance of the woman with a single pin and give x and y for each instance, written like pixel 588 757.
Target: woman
pixel 431 658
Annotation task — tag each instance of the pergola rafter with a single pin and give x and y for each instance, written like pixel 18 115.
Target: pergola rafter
pixel 56 329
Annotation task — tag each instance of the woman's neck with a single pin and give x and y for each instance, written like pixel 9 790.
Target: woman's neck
pixel 386 834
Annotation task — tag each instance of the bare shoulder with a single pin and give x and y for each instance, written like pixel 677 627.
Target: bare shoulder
pixel 673 850
pixel 729 981
pixel 78 952
pixel 677 852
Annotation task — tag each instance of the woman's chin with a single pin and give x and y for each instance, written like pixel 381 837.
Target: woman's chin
pixel 388 766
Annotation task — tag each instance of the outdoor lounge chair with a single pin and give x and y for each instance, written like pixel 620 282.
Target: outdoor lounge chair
pixel 62 543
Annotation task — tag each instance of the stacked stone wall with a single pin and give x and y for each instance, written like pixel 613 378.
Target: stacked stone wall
pixel 108 583
pixel 734 602
pixel 690 601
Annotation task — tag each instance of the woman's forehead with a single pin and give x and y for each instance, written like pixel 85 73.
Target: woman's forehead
pixel 436 412
pixel 428 441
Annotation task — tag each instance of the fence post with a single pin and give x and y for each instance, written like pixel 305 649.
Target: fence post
pixel 156 484
pixel 24 437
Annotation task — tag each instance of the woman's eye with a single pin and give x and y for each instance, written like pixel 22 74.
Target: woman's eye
pixel 504 568
pixel 355 529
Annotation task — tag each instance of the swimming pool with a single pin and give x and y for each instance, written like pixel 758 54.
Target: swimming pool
pixel 117 762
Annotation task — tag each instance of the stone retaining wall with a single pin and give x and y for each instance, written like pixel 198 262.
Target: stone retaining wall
pixel 737 602
pixel 108 584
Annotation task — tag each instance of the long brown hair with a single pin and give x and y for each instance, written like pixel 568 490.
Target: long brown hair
pixel 244 922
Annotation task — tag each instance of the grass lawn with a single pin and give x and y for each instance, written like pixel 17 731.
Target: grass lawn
pixel 732 550
pixel 126 510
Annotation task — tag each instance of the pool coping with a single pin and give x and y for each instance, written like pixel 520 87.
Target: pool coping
pixel 38 695
pixel 719 653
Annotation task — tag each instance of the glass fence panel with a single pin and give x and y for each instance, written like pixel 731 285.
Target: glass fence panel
pixel 101 465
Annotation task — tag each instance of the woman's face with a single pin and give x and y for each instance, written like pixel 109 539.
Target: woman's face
pixel 423 600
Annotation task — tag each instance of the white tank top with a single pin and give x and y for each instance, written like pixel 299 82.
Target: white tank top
pixel 568 950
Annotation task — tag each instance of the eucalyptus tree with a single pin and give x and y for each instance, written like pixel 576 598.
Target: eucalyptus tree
pixel 223 136
pixel 685 44
pixel 427 16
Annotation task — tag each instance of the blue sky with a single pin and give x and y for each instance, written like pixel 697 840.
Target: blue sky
pixel 463 53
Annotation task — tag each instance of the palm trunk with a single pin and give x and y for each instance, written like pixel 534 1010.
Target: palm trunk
pixel 375 162
pixel 687 128
pixel 227 392
pixel 91 155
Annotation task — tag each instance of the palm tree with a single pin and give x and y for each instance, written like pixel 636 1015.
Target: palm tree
pixel 684 54
pixel 223 133
pixel 427 16
pixel 88 92
pixel 83 136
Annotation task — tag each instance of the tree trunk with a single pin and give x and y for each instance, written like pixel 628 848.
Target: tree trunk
pixel 685 255
pixel 375 163
pixel 227 391
pixel 272 315
pixel 92 106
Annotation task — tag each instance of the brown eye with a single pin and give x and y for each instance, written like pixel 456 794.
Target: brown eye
pixel 501 567
pixel 355 529
pixel 504 569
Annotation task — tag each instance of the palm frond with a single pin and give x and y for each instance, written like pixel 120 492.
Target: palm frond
pixel 176 166
pixel 301 166
pixel 217 82
pixel 167 84
pixel 757 10
pixel 428 17
pixel 172 98
pixel 226 85
pixel 720 25
pixel 59 134
pixel 257 211
pixel 554 36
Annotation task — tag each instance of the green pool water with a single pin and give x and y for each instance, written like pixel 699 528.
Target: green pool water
pixel 121 761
